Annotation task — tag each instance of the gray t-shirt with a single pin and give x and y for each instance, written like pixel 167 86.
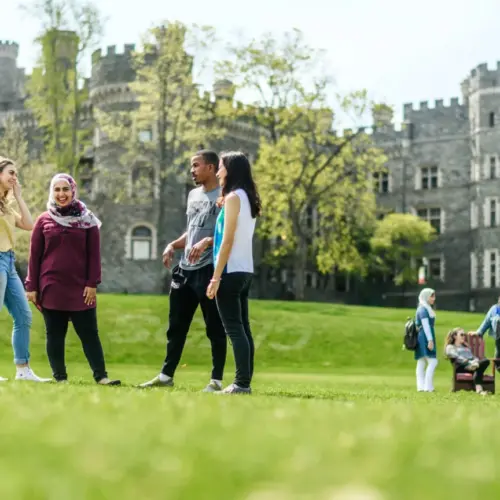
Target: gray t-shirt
pixel 202 213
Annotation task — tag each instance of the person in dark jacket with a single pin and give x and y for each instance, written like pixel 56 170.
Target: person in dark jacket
pixel 63 273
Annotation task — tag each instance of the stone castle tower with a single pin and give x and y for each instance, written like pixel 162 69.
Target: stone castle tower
pixel 133 246
pixel 444 166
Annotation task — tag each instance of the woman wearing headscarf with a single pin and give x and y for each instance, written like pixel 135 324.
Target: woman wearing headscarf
pixel 63 273
pixel 426 348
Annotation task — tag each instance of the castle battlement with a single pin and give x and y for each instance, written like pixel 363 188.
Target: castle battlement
pixel 9 49
pixel 111 53
pixel 425 109
pixel 481 77
pixel 483 70
pixel 389 132
pixel 112 66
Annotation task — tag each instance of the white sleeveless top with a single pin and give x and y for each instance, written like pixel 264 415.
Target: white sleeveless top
pixel 241 256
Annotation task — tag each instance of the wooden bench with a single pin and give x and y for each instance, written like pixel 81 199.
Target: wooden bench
pixel 464 381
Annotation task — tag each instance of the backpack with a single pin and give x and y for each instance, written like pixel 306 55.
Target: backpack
pixel 410 339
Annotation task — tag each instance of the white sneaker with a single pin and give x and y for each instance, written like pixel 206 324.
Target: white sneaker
pixel 26 373
pixel 3 379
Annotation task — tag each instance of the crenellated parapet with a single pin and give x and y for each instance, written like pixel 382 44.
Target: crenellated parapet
pixel 112 66
pixel 482 77
pixel 9 50
pixel 425 111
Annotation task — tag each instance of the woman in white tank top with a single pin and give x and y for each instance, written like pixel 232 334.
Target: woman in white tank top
pixel 233 261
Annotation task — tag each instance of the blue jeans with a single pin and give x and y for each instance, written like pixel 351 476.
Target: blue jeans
pixel 12 294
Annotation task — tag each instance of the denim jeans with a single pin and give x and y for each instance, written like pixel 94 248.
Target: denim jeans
pixel 12 294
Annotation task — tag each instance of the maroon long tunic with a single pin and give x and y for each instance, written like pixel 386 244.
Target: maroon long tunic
pixel 63 261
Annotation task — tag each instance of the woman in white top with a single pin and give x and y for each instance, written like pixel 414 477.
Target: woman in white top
pixel 233 261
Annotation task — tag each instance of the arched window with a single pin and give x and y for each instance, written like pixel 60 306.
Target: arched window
pixel 141 242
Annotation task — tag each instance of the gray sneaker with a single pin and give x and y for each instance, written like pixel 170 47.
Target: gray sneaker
pixel 212 387
pixel 156 382
pixel 235 389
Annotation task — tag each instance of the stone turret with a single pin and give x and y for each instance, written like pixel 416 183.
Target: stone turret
pixel 9 74
pixel 382 115
pixel 224 89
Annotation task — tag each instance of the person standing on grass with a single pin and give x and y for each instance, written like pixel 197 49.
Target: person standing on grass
pixel 233 258
pixel 63 273
pixel 191 276
pixel 12 292
pixel 457 350
pixel 426 347
pixel 491 324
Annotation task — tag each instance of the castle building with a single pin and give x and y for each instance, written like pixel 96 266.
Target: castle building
pixel 444 166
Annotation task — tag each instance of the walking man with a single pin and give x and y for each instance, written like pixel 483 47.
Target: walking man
pixel 191 277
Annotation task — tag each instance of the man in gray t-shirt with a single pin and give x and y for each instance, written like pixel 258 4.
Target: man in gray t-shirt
pixel 202 212
pixel 192 276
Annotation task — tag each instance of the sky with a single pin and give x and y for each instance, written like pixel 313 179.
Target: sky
pixel 400 51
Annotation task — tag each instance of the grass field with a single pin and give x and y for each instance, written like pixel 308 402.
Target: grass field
pixel 334 415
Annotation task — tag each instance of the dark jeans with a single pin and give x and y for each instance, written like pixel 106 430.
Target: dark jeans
pixel 188 290
pixel 232 301
pixel 477 376
pixel 85 324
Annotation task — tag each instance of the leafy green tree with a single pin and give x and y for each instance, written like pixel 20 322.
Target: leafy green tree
pixel 57 92
pixel 34 177
pixel 399 240
pixel 170 118
pixel 315 185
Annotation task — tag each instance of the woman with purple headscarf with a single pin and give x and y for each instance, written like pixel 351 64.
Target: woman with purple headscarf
pixel 63 273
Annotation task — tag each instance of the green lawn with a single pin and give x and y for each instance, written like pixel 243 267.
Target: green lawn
pixel 334 415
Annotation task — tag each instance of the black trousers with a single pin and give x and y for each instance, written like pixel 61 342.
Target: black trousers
pixel 232 302
pixel 85 324
pixel 188 291
pixel 477 375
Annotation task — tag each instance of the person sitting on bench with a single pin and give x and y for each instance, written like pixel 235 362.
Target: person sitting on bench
pixel 459 352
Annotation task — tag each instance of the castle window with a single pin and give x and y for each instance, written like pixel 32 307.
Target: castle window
pixel 143 182
pixel 145 136
pixel 309 217
pixel 493 167
pixel 141 242
pixel 311 280
pixel 434 216
pixel 492 119
pixel 381 182
pixel 429 177
pixel 491 277
pixel 433 268
pixel 491 215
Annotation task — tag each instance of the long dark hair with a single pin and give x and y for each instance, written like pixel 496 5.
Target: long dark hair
pixel 239 176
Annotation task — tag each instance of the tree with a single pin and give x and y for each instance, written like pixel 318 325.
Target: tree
pixel 398 240
pixel 34 177
pixel 168 110
pixel 315 186
pixel 57 91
